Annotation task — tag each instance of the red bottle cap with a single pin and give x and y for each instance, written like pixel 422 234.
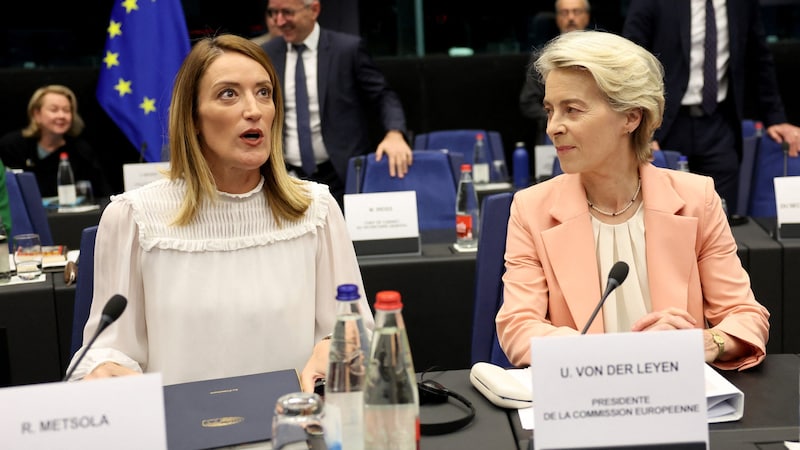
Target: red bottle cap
pixel 388 300
pixel 466 167
pixel 479 136
pixel 63 155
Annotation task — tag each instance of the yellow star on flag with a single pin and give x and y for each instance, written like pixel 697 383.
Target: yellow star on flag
pixel 148 105
pixel 111 59
pixel 123 87
pixel 114 29
pixel 130 5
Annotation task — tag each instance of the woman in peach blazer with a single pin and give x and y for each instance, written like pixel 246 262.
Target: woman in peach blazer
pixel 604 97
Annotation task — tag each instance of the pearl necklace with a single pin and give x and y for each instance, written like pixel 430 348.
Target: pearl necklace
pixel 614 214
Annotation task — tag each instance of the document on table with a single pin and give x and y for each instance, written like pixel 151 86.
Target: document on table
pixel 725 401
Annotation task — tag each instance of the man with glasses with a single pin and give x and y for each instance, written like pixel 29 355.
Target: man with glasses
pixel 571 15
pixel 330 86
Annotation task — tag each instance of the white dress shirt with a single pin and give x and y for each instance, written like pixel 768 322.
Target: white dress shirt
pixel 230 294
pixel 694 90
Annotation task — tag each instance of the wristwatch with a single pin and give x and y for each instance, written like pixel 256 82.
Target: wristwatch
pixel 719 340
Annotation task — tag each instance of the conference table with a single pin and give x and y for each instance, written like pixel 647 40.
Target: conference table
pixel 770 413
pixel 437 287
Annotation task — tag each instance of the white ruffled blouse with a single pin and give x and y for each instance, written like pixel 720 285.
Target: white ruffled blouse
pixel 230 294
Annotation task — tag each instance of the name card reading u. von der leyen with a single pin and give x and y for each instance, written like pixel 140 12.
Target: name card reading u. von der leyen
pixel 383 222
pixel 120 413
pixel 620 389
pixel 787 205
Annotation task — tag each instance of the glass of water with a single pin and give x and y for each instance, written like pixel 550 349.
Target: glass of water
pixel 28 256
pixel 298 422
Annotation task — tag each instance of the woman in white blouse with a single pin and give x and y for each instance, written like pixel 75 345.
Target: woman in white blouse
pixel 604 98
pixel 230 266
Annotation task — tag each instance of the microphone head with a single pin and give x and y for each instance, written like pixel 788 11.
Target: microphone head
pixel 618 272
pixel 114 308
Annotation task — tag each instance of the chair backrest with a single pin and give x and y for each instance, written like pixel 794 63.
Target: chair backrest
pixel 432 176
pixel 489 269
pixel 770 162
pixel 667 159
pixel 20 221
pixel 33 202
pixel 746 169
pixel 463 142
pixel 84 287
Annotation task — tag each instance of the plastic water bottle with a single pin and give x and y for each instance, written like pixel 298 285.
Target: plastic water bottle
pixel 481 163
pixel 391 399
pixel 65 182
pixel 5 266
pixel 683 163
pixel 522 169
pixel 344 386
pixel 467 210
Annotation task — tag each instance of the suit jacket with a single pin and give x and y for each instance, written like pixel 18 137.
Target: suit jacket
pixel 664 26
pixel 351 88
pixel 552 282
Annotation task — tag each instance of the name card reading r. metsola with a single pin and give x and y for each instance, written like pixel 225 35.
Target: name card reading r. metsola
pixel 619 389
pixel 120 413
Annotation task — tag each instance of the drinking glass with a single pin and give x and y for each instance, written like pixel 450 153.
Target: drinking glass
pixel 83 188
pixel 28 256
pixel 298 422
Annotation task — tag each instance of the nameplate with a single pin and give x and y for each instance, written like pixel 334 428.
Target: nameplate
pixel 120 413
pixel 383 222
pixel 620 390
pixel 787 205
pixel 544 155
pixel 136 175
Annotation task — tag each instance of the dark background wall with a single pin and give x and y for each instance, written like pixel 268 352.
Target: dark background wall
pixel 438 92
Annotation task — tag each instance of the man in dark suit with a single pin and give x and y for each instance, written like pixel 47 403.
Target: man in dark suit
pixel 710 133
pixel 570 15
pixel 343 87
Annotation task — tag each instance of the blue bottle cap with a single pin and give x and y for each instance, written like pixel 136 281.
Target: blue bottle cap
pixel 347 292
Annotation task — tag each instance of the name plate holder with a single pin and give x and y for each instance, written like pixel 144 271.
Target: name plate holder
pixel 135 175
pixel 382 223
pixel 787 205
pixel 620 390
pixel 120 413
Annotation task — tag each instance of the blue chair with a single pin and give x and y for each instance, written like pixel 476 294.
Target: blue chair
pixel 746 169
pixel 33 202
pixel 770 161
pixel 433 176
pixel 20 221
pixel 489 269
pixel 463 141
pixel 84 287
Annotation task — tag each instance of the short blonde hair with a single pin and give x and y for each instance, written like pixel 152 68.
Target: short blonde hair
pixel 285 196
pixel 35 104
pixel 629 76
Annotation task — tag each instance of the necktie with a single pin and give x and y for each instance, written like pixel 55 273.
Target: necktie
pixel 303 116
pixel 710 61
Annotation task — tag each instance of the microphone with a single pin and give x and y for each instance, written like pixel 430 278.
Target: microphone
pixel 358 163
pixel 111 312
pixel 616 276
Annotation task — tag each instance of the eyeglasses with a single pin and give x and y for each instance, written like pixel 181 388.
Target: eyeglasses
pixel 574 12
pixel 285 12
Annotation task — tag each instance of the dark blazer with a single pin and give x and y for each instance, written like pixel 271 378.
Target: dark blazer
pixel 664 26
pixel 351 88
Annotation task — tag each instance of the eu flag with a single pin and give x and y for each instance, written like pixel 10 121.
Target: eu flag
pixel 145 45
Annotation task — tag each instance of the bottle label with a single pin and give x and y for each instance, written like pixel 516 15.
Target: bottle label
pixel 66 195
pixel 463 226
pixel 480 173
